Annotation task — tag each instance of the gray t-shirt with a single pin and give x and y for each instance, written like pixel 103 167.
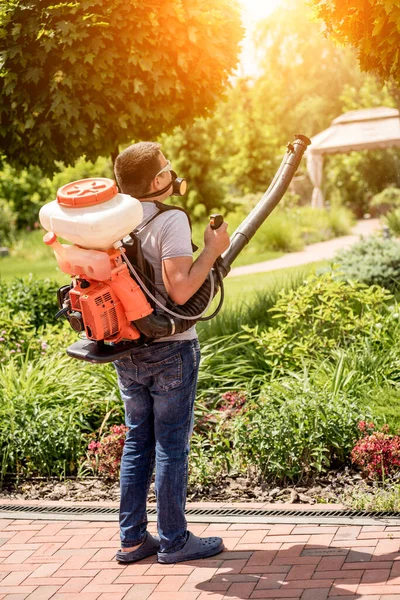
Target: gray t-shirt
pixel 167 236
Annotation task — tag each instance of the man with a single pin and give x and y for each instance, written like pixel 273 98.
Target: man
pixel 158 382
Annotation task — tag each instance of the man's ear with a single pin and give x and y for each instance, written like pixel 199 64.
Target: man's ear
pixel 157 183
pixel 154 185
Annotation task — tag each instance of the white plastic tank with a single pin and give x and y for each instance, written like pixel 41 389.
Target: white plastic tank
pixel 91 213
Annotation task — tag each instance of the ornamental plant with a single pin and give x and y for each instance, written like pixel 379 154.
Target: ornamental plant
pixel 232 401
pixel 372 261
pixel 318 317
pixel 229 405
pixel 105 455
pixel 297 427
pixel 377 453
pixel 37 298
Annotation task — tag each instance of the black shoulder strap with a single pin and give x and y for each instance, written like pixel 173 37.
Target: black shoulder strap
pixel 164 208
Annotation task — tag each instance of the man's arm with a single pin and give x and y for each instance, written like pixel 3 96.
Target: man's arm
pixel 182 277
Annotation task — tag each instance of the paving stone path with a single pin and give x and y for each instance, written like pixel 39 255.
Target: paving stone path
pixel 67 560
pixel 313 252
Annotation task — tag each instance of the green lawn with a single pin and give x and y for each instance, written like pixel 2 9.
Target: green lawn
pixel 31 256
pixel 247 285
pixel 41 269
pixel 249 256
pixel 237 288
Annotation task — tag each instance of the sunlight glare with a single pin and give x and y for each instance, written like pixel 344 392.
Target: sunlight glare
pixel 252 12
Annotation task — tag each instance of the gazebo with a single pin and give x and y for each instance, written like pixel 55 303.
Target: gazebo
pixel 365 129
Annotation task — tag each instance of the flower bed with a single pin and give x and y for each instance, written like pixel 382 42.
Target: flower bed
pixel 278 404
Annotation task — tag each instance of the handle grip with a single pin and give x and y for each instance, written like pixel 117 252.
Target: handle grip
pixel 216 221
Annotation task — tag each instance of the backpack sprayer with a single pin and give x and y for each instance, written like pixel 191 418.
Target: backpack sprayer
pixel 109 299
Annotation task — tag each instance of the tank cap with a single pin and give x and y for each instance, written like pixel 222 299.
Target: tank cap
pixel 87 192
pixel 49 238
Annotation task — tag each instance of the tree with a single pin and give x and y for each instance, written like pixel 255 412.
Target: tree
pixel 227 155
pixel 194 155
pixel 82 77
pixel 302 73
pixel 250 145
pixel 371 26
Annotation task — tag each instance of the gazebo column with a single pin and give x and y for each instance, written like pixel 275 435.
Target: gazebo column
pixel 315 165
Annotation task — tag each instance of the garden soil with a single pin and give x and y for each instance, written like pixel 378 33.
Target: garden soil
pixel 333 487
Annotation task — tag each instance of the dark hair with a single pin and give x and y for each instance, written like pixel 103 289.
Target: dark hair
pixel 136 167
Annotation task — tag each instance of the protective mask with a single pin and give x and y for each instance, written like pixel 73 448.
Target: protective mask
pixel 179 187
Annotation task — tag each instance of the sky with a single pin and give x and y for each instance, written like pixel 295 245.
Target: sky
pixel 253 11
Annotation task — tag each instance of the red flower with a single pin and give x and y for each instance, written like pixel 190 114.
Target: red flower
pixel 105 455
pixel 377 454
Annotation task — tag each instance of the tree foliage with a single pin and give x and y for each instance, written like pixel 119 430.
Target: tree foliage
pixel 195 156
pixel 305 80
pixel 230 154
pixel 302 72
pixel 371 26
pixel 81 77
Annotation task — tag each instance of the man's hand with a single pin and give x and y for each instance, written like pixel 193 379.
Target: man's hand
pixel 216 241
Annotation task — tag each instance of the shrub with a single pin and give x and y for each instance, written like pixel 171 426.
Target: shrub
pixel 290 226
pixel 317 225
pixel 377 453
pixel 208 458
pixel 372 260
pixel 319 316
pixel 278 232
pixel 211 444
pixel 252 310
pixel 392 220
pixel 35 297
pixel 104 456
pixel 355 177
pixel 25 192
pixel 82 169
pixel 16 334
pixel 384 201
pixel 7 224
pixel 340 220
pixel 292 427
pixel 47 407
pixel 296 428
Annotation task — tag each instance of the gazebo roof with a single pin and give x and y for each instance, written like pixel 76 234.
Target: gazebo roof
pixel 359 130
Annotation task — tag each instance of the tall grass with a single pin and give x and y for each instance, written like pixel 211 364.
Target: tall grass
pixel 250 308
pixel 46 407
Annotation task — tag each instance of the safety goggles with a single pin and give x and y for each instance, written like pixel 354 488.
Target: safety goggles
pixel 168 167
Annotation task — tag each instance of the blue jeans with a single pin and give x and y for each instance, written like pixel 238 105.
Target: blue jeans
pixel 158 387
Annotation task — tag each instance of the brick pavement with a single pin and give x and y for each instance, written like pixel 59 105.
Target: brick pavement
pixel 64 560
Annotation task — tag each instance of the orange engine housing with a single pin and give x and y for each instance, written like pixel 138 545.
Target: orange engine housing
pixel 107 308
